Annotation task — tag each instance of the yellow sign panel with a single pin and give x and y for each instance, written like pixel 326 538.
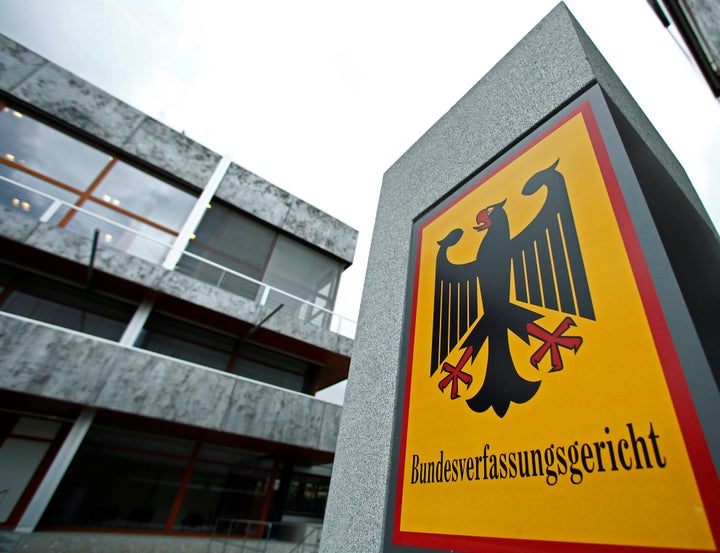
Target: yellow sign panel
pixel 537 403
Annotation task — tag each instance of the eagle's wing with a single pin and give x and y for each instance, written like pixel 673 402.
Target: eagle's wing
pixel 455 302
pixel 547 264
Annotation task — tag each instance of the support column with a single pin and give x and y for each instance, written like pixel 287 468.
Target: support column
pixel 196 214
pixel 55 473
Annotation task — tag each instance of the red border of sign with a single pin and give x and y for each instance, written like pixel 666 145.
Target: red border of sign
pixel 700 459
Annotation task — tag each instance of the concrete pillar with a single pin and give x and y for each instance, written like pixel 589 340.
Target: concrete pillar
pixel 550 71
pixel 55 473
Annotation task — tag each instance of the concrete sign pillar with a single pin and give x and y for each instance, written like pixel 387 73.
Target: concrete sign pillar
pixel 536 365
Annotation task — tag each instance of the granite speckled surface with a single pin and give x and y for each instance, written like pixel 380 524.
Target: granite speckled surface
pixel 79 103
pixel 68 245
pixel 255 195
pixel 16 226
pixel 16 63
pixel 273 205
pixel 66 96
pixel 548 68
pixel 53 363
pixel 172 151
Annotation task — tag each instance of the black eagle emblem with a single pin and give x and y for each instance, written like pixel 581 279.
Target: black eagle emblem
pixel 472 303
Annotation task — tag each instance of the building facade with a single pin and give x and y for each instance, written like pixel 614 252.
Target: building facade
pixel 166 318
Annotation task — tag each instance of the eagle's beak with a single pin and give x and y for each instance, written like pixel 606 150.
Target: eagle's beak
pixel 483 219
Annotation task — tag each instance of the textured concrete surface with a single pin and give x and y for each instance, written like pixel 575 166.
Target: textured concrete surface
pixel 79 103
pixel 73 247
pixel 550 66
pixel 53 363
pixel 16 226
pixel 172 151
pixel 16 63
pixel 255 195
pixel 61 94
pixel 273 205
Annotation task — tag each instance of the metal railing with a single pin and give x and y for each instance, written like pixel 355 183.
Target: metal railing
pixel 254 536
pixel 155 250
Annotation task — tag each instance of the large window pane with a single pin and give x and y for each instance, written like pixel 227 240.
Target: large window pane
pixel 271 367
pixel 29 202
pixel 178 339
pixel 67 306
pixel 142 240
pixel 52 153
pixel 305 273
pixel 308 494
pixel 146 196
pixel 226 483
pixel 120 480
pixel 234 241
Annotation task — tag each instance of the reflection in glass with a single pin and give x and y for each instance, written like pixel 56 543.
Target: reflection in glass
pixel 144 195
pixel 271 367
pixel 31 144
pixel 305 273
pixel 114 482
pixel 308 494
pixel 181 340
pixel 234 241
pixel 25 201
pixel 67 306
pixel 137 241
pixel 221 491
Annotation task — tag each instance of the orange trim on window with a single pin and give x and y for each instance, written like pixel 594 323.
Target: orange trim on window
pixel 90 189
pixel 40 176
pixel 133 215
pixel 179 496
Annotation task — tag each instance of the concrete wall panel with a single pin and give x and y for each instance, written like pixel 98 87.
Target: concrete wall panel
pixel 41 360
pixel 75 101
pixel 16 226
pixel 255 195
pixel 16 63
pixel 172 151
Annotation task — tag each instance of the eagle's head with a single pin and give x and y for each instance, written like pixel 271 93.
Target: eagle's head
pixel 484 216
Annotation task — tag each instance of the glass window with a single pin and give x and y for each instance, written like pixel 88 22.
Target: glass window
pixel 305 273
pixel 135 241
pixel 68 306
pixel 222 491
pixel 182 340
pixel 27 201
pixel 144 195
pixel 126 479
pixel 229 239
pixel 31 144
pixel 308 494
pixel 271 367
pixel 154 209
pixel 113 483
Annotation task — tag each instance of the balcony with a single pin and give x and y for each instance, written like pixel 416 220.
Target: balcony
pixel 151 246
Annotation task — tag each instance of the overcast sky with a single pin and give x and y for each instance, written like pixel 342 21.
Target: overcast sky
pixel 321 97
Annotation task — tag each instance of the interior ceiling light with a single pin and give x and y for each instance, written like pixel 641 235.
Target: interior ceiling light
pixel 108 237
pixel 17 114
pixel 10 156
